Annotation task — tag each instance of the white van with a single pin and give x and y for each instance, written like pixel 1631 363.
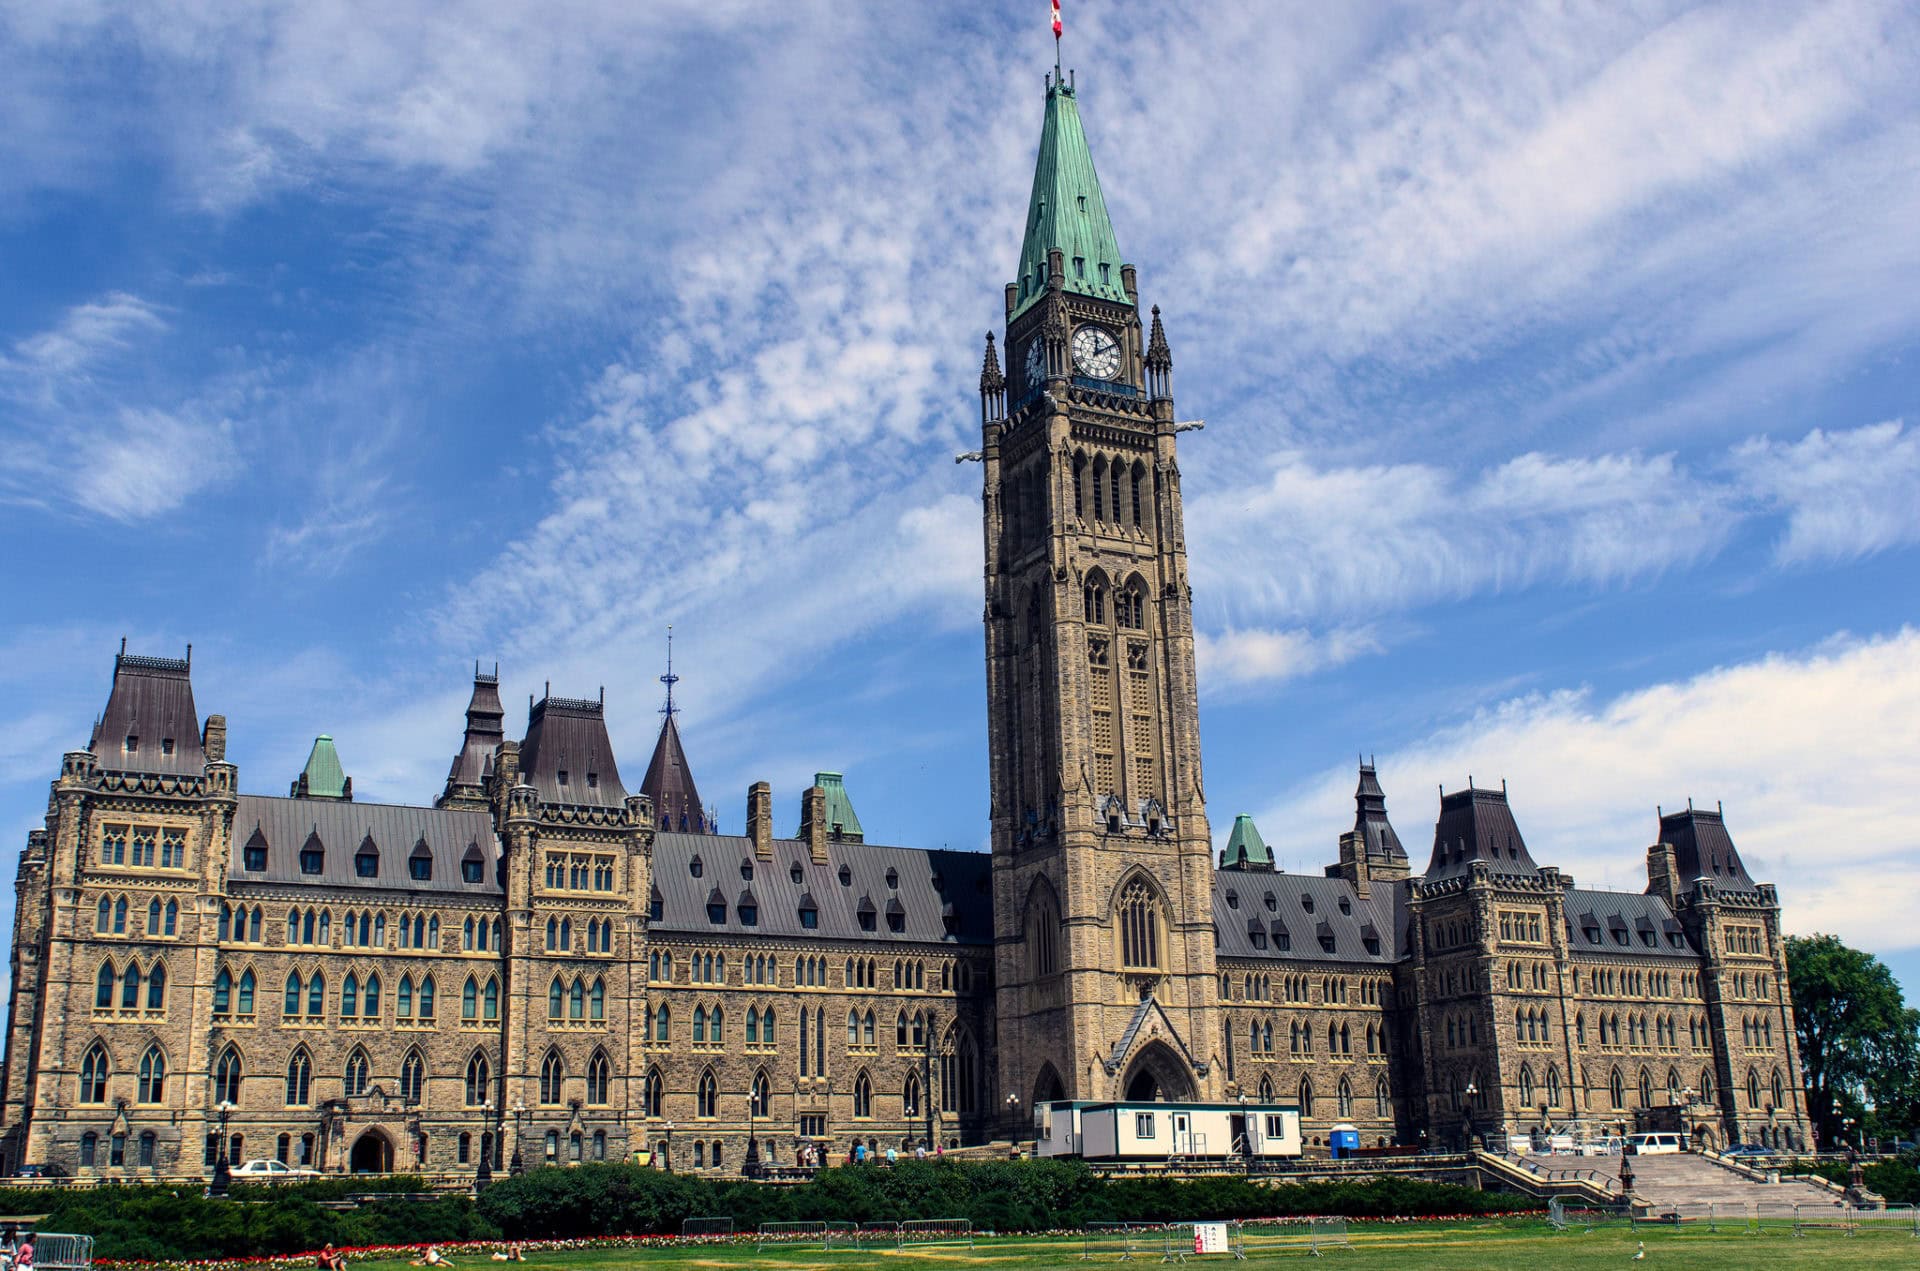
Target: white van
pixel 1655 1144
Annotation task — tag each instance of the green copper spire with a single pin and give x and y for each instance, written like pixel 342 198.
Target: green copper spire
pixel 1067 210
pixel 323 777
pixel 1246 849
pixel 839 807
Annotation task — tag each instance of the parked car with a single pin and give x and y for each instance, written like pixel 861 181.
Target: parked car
pixel 1654 1143
pixel 270 1169
pixel 1749 1149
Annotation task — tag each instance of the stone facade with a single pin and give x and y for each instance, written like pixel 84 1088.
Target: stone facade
pixel 533 969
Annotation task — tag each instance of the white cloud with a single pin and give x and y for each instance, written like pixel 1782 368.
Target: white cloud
pixel 1844 494
pixel 85 334
pixel 1237 657
pixel 1811 754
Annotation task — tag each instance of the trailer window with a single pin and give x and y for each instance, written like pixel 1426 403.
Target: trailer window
pixel 1276 1126
pixel 1143 1125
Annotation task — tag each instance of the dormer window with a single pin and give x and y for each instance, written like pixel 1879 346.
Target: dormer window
pixel 939 883
pixel 1372 943
pixel 1593 934
pixel 593 781
pixel 166 745
pixel 1272 902
pixel 366 863
pixel 1346 906
pixel 656 907
pixel 1306 903
pixel 420 864
pixel 312 860
pixel 1079 266
pixel 893 878
pixel 1620 938
pixel 809 912
pixel 749 915
pixel 1233 898
pixel 868 915
pixel 794 874
pixel 716 907
pixel 846 876
pixel 696 867
pixel 1106 276
pixel 133 743
pixel 562 774
pixel 253 857
pixel 746 868
pixel 472 866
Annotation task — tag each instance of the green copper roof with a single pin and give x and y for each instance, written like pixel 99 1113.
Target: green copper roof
pixel 325 778
pixel 839 806
pixel 1067 210
pixel 1246 847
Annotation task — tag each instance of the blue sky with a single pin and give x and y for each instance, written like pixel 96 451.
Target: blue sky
pixel 1558 366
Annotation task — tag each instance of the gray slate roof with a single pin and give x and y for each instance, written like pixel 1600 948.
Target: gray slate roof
pixel 1702 848
pixel 395 831
pixel 569 736
pixel 1380 916
pixel 964 892
pixel 1477 825
pixel 1623 922
pixel 152 700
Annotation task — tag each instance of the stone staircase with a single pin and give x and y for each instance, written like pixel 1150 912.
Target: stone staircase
pixel 1688 1181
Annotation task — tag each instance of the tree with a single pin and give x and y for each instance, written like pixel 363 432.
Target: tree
pixel 1859 1041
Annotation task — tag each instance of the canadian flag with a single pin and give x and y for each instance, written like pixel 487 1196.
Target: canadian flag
pixel 1056 19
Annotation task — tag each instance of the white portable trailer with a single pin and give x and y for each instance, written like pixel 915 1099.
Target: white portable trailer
pixel 1165 1131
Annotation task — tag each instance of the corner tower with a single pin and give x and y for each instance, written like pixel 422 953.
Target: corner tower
pixel 1102 857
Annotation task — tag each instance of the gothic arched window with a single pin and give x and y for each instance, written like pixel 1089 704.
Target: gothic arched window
pixel 358 1074
pixel 599 1077
pixel 94 1070
pixel 479 1079
pixel 226 1077
pixel 299 1079
pixel 1139 925
pixel 413 1077
pixel 553 1074
pixel 653 1094
pixel 709 1096
pixel 862 1095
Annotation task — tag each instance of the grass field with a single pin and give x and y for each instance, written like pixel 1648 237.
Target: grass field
pixel 1492 1244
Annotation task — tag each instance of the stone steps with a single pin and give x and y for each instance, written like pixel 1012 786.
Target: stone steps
pixel 1689 1181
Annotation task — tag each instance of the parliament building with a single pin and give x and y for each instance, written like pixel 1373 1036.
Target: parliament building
pixel 548 965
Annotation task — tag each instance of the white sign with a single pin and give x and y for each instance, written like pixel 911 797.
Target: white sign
pixel 1210 1237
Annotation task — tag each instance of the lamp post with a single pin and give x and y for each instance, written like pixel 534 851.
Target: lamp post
pixel 751 1166
pixel 1013 1122
pixel 1688 1095
pixel 1246 1133
pixel 1472 1090
pixel 518 1166
pixel 667 1161
pixel 484 1174
pixel 222 1174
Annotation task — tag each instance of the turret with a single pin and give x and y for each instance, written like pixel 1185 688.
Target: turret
pixel 473 765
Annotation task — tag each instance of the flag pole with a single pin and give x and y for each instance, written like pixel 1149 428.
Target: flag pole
pixel 1057 78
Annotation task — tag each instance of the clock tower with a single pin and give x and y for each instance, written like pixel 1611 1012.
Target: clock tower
pixel 1102 859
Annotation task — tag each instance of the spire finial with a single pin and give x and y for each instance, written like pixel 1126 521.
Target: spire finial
pixel 669 679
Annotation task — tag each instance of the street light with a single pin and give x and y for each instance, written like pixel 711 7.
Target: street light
pixel 222 1175
pixel 751 1166
pixel 1472 1090
pixel 519 1116
pixel 1013 1122
pixel 484 1174
pixel 667 1128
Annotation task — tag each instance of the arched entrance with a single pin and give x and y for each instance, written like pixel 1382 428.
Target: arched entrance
pixel 371 1154
pixel 1048 1087
pixel 1157 1075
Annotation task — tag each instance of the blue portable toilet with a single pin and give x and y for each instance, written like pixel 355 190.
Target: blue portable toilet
pixel 1345 1141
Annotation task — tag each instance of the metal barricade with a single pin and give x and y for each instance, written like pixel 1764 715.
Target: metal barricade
pixel 55 1251
pixel 1121 1240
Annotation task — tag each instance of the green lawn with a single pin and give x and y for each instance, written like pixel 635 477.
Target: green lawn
pixel 1492 1244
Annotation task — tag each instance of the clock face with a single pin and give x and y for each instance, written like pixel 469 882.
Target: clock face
pixel 1096 353
pixel 1036 362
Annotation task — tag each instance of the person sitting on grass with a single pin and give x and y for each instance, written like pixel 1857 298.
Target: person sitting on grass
pixel 432 1258
pixel 510 1254
pixel 330 1259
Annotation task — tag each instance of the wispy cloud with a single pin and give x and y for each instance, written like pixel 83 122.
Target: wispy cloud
pixel 1844 494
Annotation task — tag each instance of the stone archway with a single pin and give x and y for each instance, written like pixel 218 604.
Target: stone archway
pixel 1157 1075
pixel 1047 1087
pixel 372 1154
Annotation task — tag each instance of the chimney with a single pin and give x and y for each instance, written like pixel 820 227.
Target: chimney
pixel 213 739
pixel 1354 866
pixel 1662 875
pixel 760 819
pixel 813 823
